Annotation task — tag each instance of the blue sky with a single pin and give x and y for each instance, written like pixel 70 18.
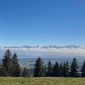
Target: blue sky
pixel 42 22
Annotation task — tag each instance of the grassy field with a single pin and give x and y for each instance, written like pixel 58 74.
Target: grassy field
pixel 41 81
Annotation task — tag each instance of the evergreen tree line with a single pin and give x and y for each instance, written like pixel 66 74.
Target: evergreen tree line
pixel 10 67
pixel 62 70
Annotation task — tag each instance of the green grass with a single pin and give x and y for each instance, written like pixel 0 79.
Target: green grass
pixel 41 81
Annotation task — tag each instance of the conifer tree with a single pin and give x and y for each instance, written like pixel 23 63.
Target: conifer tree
pixel 83 70
pixel 43 71
pixel 3 72
pixel 66 70
pixel 61 71
pixel 56 70
pixel 7 64
pixel 74 68
pixel 49 70
pixel 25 72
pixel 15 66
pixel 38 70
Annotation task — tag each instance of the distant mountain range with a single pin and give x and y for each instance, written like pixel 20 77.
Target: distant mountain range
pixel 48 46
pixel 45 51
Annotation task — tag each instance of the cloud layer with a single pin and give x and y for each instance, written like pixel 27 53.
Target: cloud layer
pixel 45 51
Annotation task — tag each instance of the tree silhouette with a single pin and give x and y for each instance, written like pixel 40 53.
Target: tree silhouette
pixel 49 70
pixel 15 66
pixel 83 70
pixel 66 70
pixel 7 64
pixel 56 70
pixel 39 70
pixel 74 68
pixel 25 72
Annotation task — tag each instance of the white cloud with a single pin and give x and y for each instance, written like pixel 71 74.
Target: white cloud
pixel 47 51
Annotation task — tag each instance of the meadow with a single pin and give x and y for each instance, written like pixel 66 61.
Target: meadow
pixel 41 81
